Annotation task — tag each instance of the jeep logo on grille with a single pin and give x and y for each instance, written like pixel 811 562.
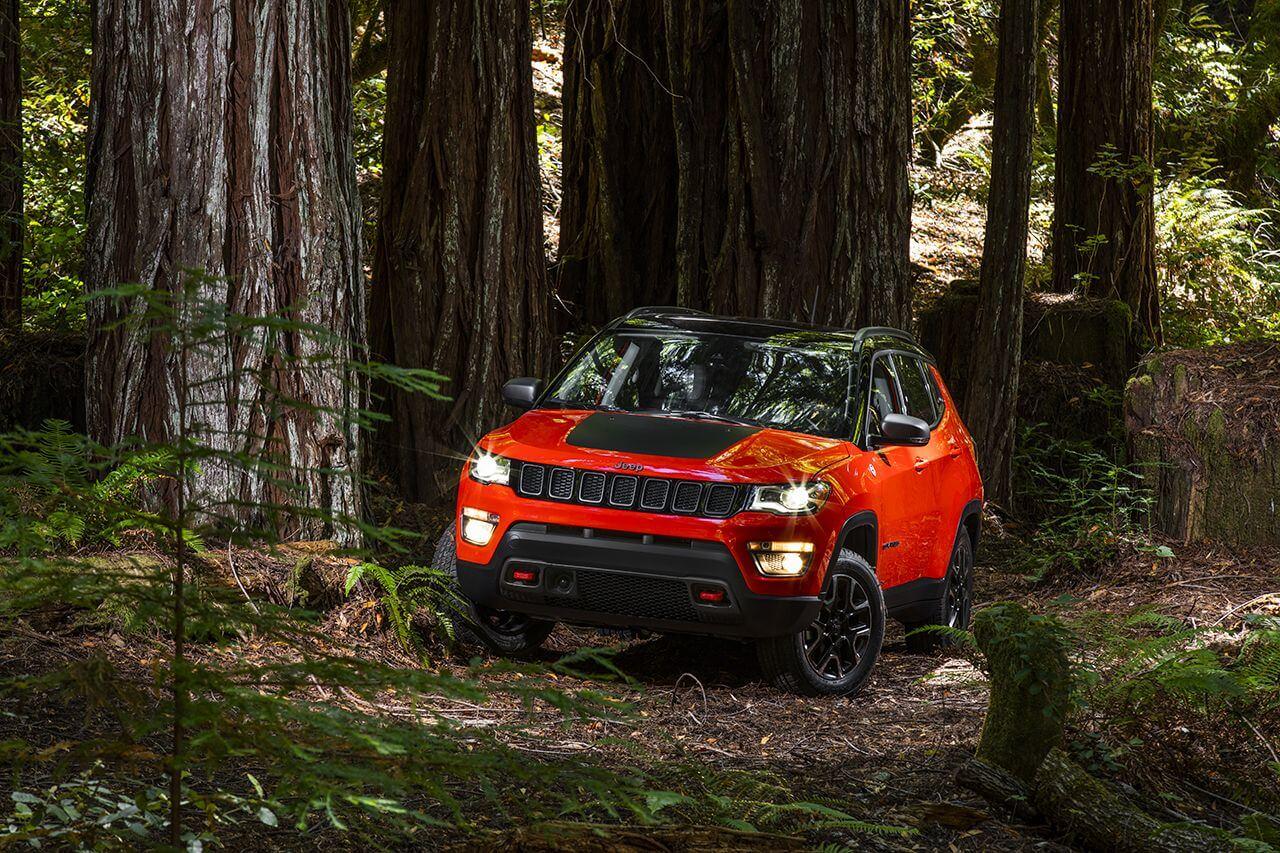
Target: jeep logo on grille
pixel 630 466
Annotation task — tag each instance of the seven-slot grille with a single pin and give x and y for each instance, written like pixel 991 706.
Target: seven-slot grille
pixel 627 491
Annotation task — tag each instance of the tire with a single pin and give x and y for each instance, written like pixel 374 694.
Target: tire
pixel 956 605
pixel 499 631
pixel 850 627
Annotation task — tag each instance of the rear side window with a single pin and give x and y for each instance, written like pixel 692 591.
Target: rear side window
pixel 884 396
pixel 935 387
pixel 916 389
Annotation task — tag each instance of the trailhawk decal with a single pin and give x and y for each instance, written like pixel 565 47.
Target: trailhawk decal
pixel 657 435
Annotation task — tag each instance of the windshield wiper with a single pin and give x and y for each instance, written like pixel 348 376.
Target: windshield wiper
pixel 694 415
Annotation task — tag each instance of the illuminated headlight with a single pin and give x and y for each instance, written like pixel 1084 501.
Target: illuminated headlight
pixel 781 559
pixel 478 525
pixel 489 469
pixel 790 499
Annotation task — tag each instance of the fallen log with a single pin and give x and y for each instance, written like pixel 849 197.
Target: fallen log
pixel 603 838
pixel 1095 816
pixel 997 787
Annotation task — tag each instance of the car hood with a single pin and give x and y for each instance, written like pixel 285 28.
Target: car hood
pixel 665 446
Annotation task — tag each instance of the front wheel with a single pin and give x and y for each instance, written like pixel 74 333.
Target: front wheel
pixel 500 631
pixel 835 654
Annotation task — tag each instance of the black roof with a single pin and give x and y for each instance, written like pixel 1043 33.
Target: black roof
pixel 690 320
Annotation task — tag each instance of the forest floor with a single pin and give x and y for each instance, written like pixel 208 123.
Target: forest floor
pixel 888 755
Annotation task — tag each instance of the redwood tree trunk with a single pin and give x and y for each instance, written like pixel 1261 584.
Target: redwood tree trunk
pixel 997 348
pixel 1104 221
pixel 618 214
pixel 459 279
pixel 221 143
pixel 791 141
pixel 11 229
pixel 794 198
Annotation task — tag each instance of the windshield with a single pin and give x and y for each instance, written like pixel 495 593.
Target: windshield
pixel 796 381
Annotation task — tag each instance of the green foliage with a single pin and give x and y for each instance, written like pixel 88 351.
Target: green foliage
pixel 1218 264
pixel 410 590
pixel 59 490
pixel 1085 503
pixel 953 65
pixel 55 118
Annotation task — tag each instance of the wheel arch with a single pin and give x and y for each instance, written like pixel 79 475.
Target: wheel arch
pixel 971 520
pixel 861 535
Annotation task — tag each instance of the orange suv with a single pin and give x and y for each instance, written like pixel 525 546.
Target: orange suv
pixel 780 483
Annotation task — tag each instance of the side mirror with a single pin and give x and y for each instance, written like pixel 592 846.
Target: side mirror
pixel 522 392
pixel 903 429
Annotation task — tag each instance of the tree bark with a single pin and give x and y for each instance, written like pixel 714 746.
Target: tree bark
pixel 459 279
pixel 791 134
pixel 220 142
pixel 794 200
pixel 618 212
pixel 1104 221
pixel 993 383
pixel 11 220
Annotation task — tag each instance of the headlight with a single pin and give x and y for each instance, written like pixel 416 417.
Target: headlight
pixel 489 469
pixel 790 499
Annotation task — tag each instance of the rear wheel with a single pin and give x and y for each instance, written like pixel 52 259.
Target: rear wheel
pixel 955 606
pixel 834 655
pixel 500 631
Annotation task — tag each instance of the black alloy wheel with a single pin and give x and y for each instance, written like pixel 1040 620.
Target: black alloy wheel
pixel 839 638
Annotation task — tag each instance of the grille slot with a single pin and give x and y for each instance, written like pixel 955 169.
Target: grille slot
pixel 532 479
pixel 720 499
pixel 623 491
pixel 561 484
pixel 591 487
pixel 654 495
pixel 632 595
pixel 686 499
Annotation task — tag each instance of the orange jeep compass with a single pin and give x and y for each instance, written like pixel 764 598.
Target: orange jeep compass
pixel 781 483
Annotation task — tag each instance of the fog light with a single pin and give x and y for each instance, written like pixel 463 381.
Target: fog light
pixel 782 559
pixel 478 525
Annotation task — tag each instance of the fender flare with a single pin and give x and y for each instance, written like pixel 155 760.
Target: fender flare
pixel 869 549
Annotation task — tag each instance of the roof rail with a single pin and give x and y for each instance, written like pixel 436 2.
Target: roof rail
pixel 654 310
pixel 885 331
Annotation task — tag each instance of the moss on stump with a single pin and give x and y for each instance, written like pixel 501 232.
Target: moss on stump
pixel 1030 687
pixel 1204 427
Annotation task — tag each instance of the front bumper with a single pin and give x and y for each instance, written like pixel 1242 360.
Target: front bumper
pixel 628 580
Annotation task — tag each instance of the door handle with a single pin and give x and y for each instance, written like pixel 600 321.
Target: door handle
pixel 921 464
pixel 954 452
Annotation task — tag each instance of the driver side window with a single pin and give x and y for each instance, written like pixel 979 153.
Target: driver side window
pixel 884 396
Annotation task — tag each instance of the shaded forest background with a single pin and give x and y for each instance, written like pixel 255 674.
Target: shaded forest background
pixel 258 296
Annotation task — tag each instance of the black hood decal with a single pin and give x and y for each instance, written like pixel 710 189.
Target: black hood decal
pixel 659 436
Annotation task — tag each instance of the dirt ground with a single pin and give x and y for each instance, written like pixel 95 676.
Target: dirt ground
pixel 888 754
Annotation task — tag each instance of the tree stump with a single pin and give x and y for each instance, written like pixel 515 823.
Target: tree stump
pixel 1058 329
pixel 1204 425
pixel 1030 687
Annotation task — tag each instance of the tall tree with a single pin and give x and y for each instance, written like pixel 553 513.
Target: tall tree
pixel 618 213
pixel 997 354
pixel 791 140
pixel 1104 220
pixel 220 148
pixel 11 230
pixel 459 279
